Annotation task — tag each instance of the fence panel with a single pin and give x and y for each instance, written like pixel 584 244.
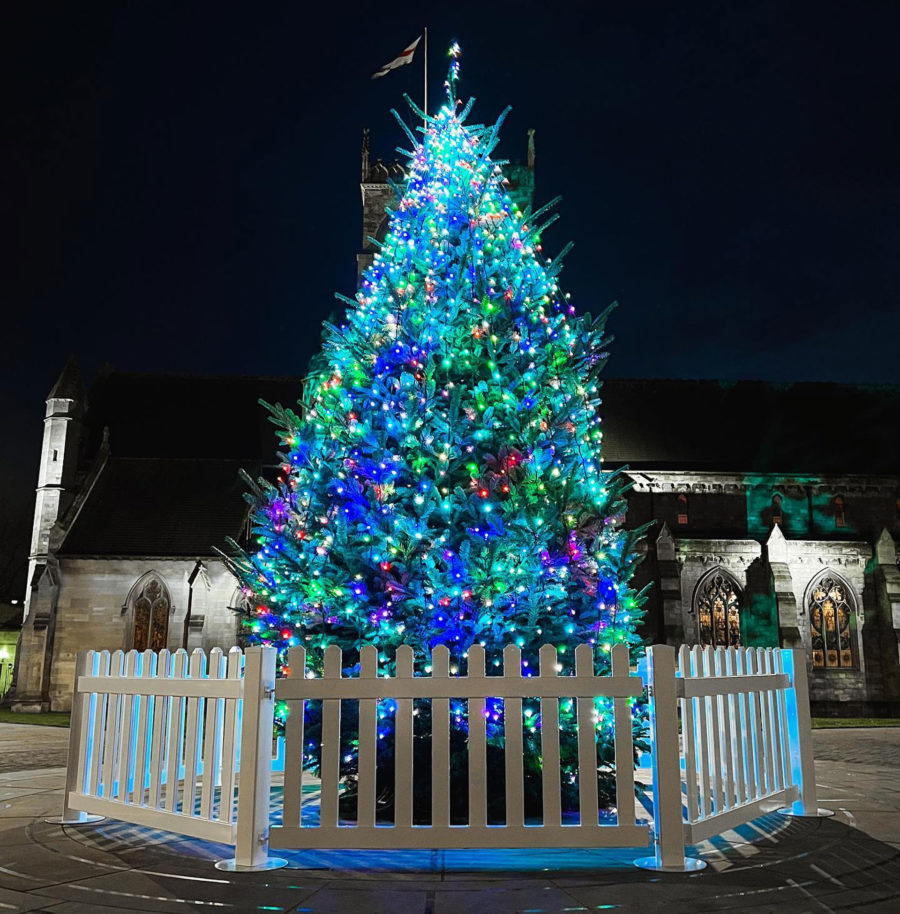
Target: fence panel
pixel 156 739
pixel 477 690
pixel 733 739
pixel 144 722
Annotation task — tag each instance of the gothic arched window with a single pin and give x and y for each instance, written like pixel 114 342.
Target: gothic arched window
pixel 831 611
pixel 718 606
pixel 150 604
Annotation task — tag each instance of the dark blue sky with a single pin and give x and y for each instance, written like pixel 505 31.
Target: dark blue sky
pixel 180 181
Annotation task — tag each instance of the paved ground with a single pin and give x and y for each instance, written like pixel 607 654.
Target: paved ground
pixel 849 862
pixel 23 747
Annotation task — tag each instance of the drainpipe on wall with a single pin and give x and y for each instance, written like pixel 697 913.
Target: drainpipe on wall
pixel 187 616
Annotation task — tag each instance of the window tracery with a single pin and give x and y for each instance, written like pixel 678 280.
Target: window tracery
pixel 150 604
pixel 718 604
pixel 831 613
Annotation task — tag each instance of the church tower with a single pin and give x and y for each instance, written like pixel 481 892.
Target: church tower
pixel 377 188
pixel 55 493
pixel 59 460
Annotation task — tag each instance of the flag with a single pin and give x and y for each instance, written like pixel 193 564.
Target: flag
pixel 405 58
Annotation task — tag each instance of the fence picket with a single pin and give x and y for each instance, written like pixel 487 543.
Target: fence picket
pixel 550 769
pixel 293 744
pixel 440 742
pixel 193 730
pixel 157 743
pixel 727 729
pixel 147 664
pixel 111 727
pixel 477 743
pixel 758 748
pixel 688 736
pixel 229 737
pixel 712 721
pixel 512 736
pixel 212 738
pixel 175 733
pixel 624 741
pixel 331 742
pixel 403 743
pixel 588 803
pixel 771 734
pixel 88 666
pixel 368 739
pixel 101 701
pixel 783 728
pixel 125 761
pixel 702 744
pixel 748 753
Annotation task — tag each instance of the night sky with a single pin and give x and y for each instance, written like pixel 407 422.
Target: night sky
pixel 180 182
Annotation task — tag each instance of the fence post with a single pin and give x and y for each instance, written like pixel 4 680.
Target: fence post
pixel 668 831
pixel 251 850
pixel 81 724
pixel 799 724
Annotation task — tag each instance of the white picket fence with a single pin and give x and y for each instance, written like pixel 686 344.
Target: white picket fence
pixel 156 739
pixel 439 688
pixel 736 738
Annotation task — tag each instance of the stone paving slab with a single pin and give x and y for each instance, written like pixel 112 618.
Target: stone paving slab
pixel 23 746
pixel 849 862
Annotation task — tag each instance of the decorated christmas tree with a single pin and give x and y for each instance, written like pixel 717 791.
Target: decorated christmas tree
pixel 443 483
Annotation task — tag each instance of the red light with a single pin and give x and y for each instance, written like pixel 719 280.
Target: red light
pixel 483 493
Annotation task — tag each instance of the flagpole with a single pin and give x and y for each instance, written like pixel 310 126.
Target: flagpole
pixel 425 87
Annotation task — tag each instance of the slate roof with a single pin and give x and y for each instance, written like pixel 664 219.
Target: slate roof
pixel 752 426
pixel 171 486
pixel 160 507
pixel 742 426
pixel 205 416
pixel 68 385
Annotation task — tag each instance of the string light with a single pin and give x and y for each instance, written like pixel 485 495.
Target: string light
pixel 444 484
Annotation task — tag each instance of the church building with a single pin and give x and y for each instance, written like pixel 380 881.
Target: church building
pixel 775 512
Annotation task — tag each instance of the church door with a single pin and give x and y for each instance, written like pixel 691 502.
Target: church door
pixel 151 617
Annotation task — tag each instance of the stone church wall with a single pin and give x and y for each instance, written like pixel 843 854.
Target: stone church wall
pixel 92 611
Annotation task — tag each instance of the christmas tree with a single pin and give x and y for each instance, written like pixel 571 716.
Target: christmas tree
pixel 443 483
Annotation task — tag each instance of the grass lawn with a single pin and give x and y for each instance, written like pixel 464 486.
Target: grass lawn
pixel 830 723
pixel 47 719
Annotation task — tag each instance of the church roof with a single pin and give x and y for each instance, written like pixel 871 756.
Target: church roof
pixel 68 385
pixel 160 507
pixel 737 426
pixel 752 426
pixel 171 485
pixel 206 416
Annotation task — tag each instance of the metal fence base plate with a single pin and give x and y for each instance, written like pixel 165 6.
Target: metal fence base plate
pixel 232 866
pixel 690 865
pixel 818 814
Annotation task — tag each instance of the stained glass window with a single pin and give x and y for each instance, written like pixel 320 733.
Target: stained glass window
pixel 718 603
pixel 682 508
pixel 151 604
pixel 830 614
